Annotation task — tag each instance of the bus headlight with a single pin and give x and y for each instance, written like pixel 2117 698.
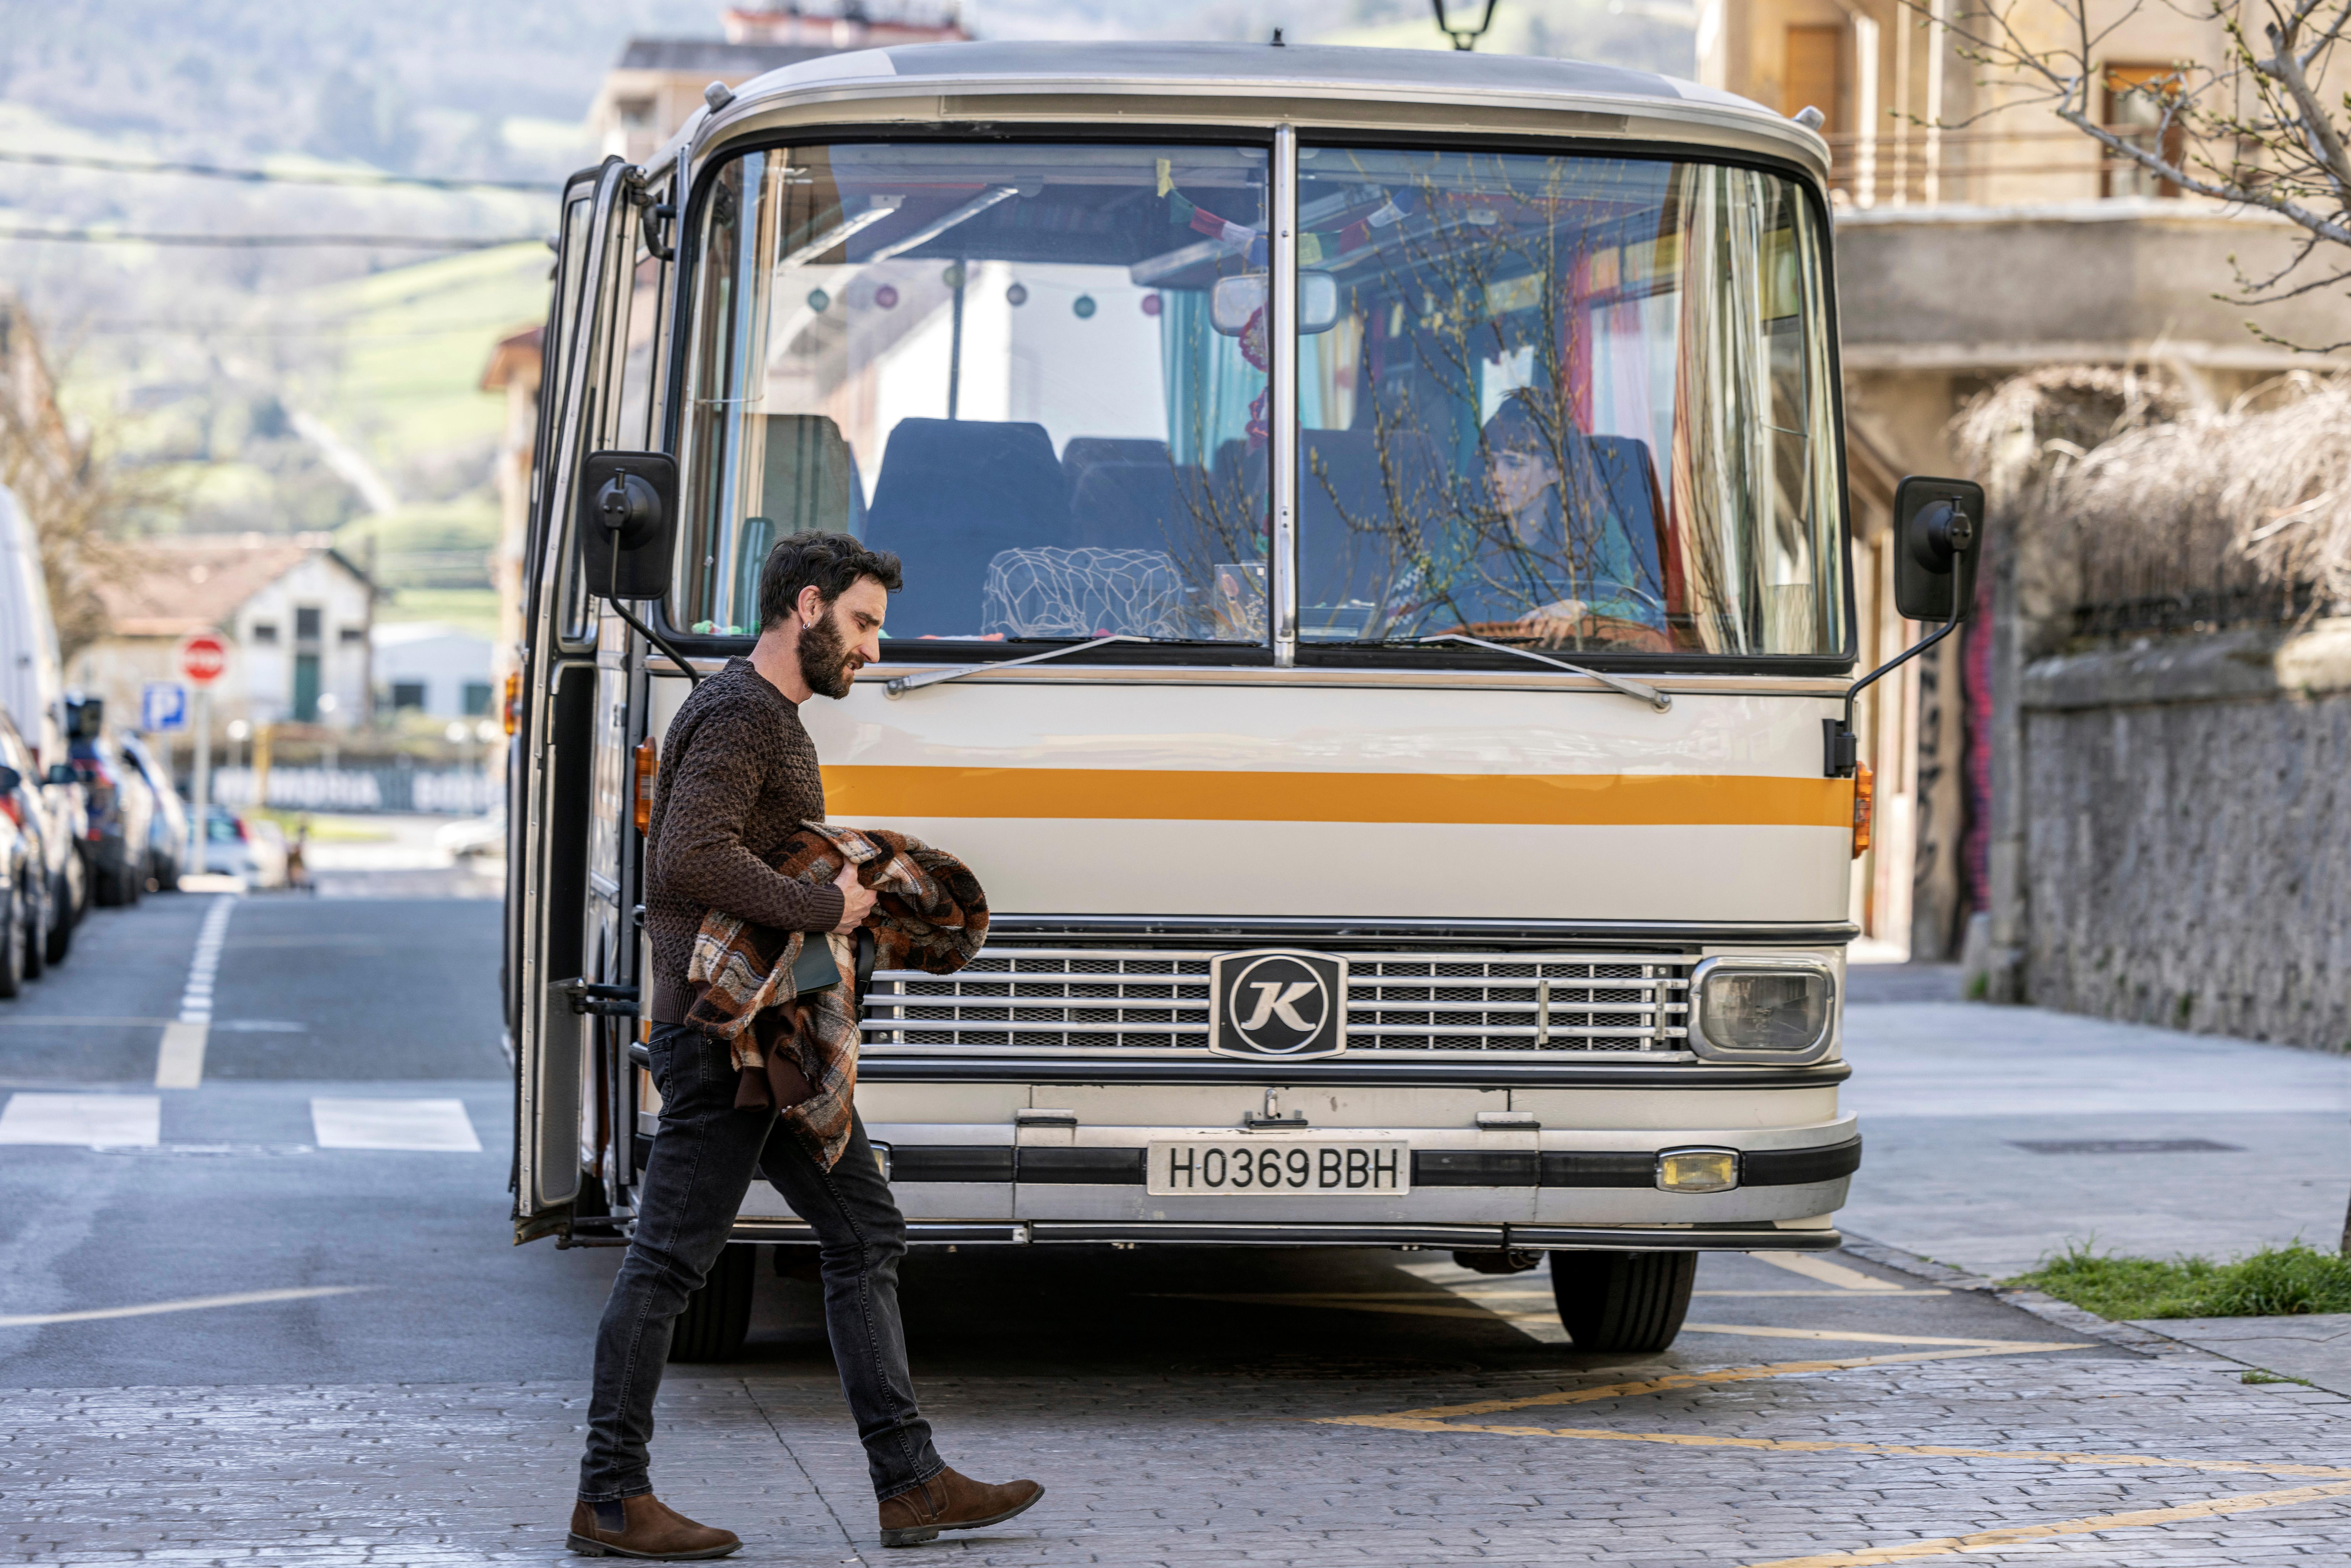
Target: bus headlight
pixel 1761 1009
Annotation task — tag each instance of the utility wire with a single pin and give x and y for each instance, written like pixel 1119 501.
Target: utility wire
pixel 273 176
pixel 266 242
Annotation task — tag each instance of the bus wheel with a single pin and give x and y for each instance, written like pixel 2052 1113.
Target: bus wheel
pixel 1623 1301
pixel 718 1315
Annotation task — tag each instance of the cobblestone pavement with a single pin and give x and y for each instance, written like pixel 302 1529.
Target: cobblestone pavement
pixel 245 1341
pixel 1835 1444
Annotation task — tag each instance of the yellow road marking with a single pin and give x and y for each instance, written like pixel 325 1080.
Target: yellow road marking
pixel 1909 1551
pixel 1762 1331
pixel 1608 800
pixel 1827 1272
pixel 1415 1306
pixel 1671 1380
pixel 1814 1446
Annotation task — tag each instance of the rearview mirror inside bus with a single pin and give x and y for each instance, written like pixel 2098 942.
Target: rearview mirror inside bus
pixel 628 523
pixel 1235 300
pixel 1936 524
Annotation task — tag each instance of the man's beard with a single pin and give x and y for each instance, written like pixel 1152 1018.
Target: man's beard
pixel 825 664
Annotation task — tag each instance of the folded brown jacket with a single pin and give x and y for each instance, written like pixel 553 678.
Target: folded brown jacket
pixel 801 1052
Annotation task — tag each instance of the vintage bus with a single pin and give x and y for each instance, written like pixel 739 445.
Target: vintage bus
pixel 1376 619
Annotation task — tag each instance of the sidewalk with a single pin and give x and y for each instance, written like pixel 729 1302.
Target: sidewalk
pixel 1995 1137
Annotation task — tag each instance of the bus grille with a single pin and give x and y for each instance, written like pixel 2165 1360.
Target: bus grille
pixel 1094 1001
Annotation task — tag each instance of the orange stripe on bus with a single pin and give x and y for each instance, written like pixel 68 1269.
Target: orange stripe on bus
pixel 1594 799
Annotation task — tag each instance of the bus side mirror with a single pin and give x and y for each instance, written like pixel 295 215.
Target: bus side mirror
pixel 1937 523
pixel 628 524
pixel 10 779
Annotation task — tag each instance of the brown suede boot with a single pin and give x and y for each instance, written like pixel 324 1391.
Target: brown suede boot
pixel 950 1501
pixel 648 1528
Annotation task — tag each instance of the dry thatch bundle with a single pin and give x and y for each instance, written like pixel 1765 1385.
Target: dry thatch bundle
pixel 2121 491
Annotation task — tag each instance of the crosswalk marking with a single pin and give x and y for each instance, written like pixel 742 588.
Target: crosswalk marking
pixel 438 1126
pixel 84 1120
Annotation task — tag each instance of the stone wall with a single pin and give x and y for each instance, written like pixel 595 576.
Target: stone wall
pixel 2186 823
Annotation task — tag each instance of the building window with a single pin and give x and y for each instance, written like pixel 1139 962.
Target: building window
pixel 411 694
pixel 1814 74
pixel 2136 97
pixel 478 698
pixel 305 624
pixel 349 635
pixel 636 113
pixel 264 633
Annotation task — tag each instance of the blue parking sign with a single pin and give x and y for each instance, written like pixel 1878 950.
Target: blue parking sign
pixel 162 706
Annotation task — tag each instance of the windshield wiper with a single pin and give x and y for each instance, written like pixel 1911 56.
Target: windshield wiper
pixel 900 685
pixel 1650 695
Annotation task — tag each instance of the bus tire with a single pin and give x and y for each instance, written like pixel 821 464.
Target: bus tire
pixel 1623 1302
pixel 717 1316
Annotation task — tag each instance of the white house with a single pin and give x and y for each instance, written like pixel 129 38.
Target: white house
pixel 295 613
pixel 431 668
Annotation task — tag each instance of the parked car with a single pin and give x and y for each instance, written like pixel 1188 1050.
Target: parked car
pixel 55 814
pixel 247 847
pixel 24 882
pixel 471 836
pixel 167 833
pixel 32 697
pixel 121 806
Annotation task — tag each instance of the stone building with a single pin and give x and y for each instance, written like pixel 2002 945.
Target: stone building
pixel 1966 256
pixel 658 82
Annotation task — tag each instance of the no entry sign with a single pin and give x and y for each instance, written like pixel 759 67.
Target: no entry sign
pixel 203 658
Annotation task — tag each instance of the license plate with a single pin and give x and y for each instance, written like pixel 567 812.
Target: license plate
pixel 1265 1167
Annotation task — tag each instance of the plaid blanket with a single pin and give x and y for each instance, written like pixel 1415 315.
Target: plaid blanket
pixel 929 914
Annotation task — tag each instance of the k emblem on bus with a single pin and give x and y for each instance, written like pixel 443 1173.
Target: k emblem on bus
pixel 1278 1003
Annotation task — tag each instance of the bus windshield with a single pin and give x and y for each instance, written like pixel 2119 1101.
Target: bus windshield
pixel 998 362
pixel 1553 401
pixel 1564 402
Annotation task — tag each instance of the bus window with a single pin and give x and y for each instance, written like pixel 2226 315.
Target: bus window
pixel 1564 402
pixel 1007 363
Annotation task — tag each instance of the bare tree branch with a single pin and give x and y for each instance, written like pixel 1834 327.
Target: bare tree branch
pixel 2253 128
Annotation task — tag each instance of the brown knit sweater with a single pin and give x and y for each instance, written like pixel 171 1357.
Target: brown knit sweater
pixel 737 775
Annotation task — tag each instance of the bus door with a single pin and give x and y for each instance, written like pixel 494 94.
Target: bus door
pixel 550 920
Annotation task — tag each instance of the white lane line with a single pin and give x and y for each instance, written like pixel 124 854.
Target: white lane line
pixel 1817 1267
pixel 436 1125
pixel 192 1304
pixel 180 1064
pixel 83 1121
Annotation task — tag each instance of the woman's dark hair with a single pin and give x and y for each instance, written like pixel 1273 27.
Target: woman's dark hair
pixel 828 562
pixel 1522 424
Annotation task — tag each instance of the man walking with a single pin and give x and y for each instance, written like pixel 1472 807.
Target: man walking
pixel 738 775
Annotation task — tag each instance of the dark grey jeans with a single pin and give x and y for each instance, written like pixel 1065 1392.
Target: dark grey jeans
pixel 702 1165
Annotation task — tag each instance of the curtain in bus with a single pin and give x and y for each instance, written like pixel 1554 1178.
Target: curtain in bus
pixel 1209 385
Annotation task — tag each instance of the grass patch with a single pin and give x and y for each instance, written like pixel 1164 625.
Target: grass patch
pixel 324 829
pixel 2277 1281
pixel 2255 1374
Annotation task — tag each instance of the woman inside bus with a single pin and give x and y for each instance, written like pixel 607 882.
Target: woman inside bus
pixel 1566 551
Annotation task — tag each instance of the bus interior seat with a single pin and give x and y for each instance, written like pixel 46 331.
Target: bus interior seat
pixel 808 481
pixel 1341 482
pixel 951 496
pixel 1630 482
pixel 1137 506
pixel 1084 452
